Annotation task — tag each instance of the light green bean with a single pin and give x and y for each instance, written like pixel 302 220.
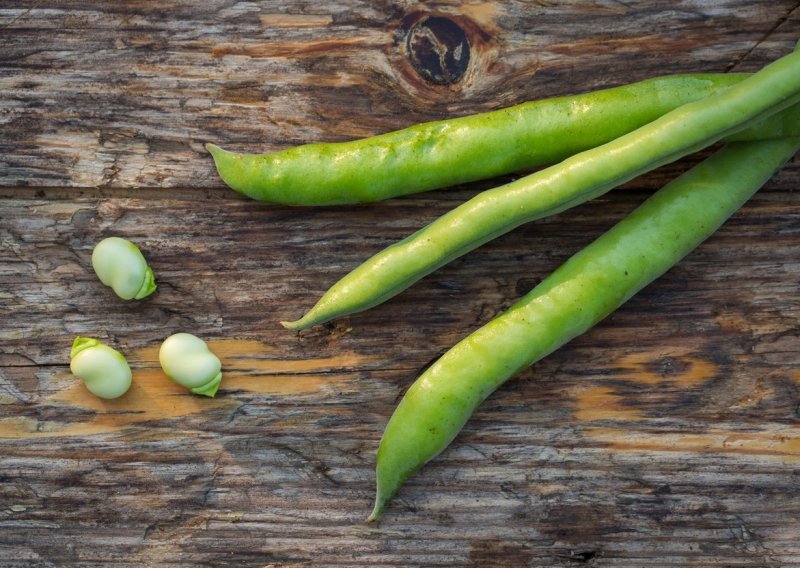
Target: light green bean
pixel 104 370
pixel 120 264
pixel 577 179
pixel 584 290
pixel 187 361
pixel 448 152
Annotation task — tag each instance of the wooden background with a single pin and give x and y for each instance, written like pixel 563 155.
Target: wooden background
pixel 668 435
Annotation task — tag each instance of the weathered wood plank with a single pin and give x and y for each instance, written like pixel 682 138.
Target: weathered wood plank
pixel 668 435
pixel 125 94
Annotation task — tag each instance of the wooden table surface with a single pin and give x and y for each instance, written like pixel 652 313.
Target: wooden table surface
pixel 668 435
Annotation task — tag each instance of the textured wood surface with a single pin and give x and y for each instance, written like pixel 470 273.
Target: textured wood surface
pixel 668 435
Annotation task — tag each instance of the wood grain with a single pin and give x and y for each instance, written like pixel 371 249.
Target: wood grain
pixel 668 435
pixel 125 95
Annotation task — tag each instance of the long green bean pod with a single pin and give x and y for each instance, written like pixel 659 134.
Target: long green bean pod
pixel 577 179
pixel 584 290
pixel 444 153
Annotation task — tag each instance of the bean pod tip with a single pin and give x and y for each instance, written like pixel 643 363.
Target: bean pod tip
pixel 296 325
pixel 377 511
pixel 221 158
pixel 213 149
pixel 228 166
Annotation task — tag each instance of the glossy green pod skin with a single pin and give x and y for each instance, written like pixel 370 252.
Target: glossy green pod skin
pixel 583 291
pixel 575 180
pixel 445 153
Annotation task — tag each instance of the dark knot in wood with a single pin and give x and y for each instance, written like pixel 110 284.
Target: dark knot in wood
pixel 438 49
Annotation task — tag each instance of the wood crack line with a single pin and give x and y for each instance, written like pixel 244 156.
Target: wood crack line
pixel 765 37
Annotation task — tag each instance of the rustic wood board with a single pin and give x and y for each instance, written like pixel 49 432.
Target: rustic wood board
pixel 668 435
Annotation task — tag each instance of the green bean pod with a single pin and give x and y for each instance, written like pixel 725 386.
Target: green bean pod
pixel 577 179
pixel 584 290
pixel 444 153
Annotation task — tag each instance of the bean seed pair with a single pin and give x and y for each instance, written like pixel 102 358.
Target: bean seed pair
pixel 184 358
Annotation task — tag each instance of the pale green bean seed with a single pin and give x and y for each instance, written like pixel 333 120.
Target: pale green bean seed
pixel 104 370
pixel 120 264
pixel 187 360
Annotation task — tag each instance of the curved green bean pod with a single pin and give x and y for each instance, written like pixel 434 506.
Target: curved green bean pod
pixel 584 290
pixel 445 153
pixel 577 179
